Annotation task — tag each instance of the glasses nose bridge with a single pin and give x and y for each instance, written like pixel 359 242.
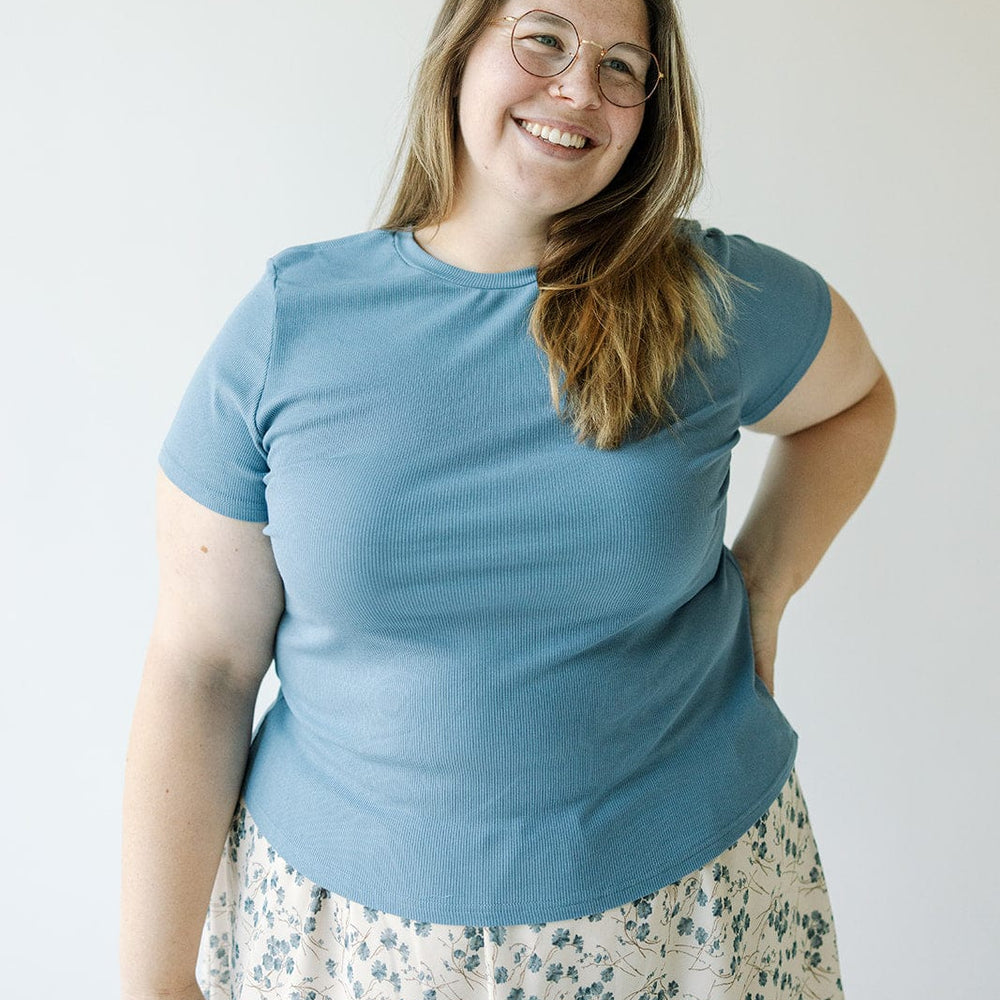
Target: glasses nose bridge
pixel 597 66
pixel 579 49
pixel 587 41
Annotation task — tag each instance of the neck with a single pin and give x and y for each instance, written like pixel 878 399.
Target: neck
pixel 477 240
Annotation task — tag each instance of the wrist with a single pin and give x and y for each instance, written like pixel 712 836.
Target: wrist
pixel 179 991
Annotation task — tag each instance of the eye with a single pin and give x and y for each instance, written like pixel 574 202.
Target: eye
pixel 620 67
pixel 549 41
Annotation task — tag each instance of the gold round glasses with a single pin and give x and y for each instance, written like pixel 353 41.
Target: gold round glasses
pixel 546 44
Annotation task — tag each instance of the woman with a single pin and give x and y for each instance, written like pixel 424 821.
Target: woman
pixel 464 477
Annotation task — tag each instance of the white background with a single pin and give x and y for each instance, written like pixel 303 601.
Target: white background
pixel 156 154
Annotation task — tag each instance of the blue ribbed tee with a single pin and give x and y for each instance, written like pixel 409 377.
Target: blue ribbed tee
pixel 516 675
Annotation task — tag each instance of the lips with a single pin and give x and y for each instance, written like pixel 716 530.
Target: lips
pixel 563 134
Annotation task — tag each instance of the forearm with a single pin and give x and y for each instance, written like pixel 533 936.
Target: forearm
pixel 186 759
pixel 812 482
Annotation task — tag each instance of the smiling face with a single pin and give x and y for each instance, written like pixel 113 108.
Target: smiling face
pixel 506 163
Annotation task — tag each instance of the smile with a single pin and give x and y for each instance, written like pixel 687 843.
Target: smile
pixel 568 140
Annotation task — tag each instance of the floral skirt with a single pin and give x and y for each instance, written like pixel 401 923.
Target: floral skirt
pixel 755 923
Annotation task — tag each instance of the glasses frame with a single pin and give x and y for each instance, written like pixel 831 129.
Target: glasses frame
pixel 580 42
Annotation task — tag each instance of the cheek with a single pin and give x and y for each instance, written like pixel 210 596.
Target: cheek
pixel 491 81
pixel 477 121
pixel 625 138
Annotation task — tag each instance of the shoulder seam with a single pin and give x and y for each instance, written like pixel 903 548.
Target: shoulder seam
pixel 270 348
pixel 744 391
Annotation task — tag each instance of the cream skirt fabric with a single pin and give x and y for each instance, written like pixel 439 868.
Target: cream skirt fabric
pixel 753 924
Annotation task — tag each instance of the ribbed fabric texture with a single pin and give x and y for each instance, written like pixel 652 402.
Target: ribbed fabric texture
pixel 517 681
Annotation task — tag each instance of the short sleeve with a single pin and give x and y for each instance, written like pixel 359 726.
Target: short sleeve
pixel 780 324
pixel 214 450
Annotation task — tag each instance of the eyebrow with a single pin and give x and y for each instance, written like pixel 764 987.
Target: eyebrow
pixel 551 17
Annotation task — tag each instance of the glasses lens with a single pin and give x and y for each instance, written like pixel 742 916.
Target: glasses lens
pixel 544 44
pixel 628 74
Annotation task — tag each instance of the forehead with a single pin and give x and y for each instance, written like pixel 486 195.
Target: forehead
pixel 603 21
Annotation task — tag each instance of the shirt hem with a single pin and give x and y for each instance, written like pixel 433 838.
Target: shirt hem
pixel 518 913
pixel 198 491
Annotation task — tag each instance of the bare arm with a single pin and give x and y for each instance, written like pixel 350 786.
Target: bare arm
pixel 219 604
pixel 833 430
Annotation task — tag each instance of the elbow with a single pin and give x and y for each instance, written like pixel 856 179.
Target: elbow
pixel 884 401
pixel 874 417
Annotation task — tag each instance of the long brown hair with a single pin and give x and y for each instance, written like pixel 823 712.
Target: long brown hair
pixel 623 288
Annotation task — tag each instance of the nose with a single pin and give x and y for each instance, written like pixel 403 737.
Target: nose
pixel 578 83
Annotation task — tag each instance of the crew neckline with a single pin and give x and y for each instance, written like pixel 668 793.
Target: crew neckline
pixel 416 256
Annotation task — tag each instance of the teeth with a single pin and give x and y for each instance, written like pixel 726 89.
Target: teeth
pixel 553 135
